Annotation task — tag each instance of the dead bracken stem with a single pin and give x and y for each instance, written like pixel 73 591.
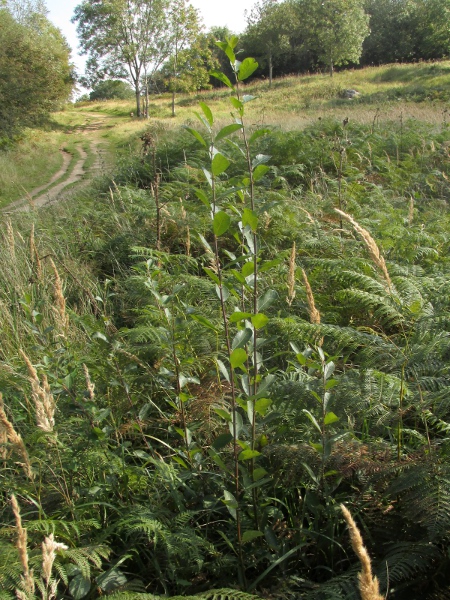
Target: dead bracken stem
pixel 291 276
pixel 371 245
pixel 27 580
pixel 368 584
pixel 15 440
pixel 42 397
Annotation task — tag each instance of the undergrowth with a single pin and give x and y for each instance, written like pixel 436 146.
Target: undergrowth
pixel 202 359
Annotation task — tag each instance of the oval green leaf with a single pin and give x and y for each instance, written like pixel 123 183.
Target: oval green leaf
pixel 221 223
pixel 219 164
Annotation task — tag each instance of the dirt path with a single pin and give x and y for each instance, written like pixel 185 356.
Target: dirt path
pixel 69 174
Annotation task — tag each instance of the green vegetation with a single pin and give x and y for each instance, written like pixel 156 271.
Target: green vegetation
pixel 111 89
pixel 36 75
pixel 205 355
pixel 316 34
pixel 247 325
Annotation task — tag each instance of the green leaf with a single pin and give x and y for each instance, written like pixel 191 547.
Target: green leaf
pixel 330 418
pixel 238 424
pixel 259 172
pixel 260 320
pixel 258 133
pixel 216 458
pixel 230 502
pixel 236 103
pixel 262 405
pixel 212 275
pixel 207 112
pixel 239 316
pixel 247 68
pixel 250 535
pixel 242 338
pixel 248 268
pixel 221 223
pixel 248 98
pixel 329 370
pixel 207 175
pixel 250 218
pixel 111 580
pixel 313 420
pixel 197 135
pixel 238 358
pixel 317 447
pixel 223 413
pixel 223 370
pixel 222 440
pixel 267 299
pixel 228 49
pixel 222 77
pixel 269 264
pixel 98 335
pixel 203 197
pixel 79 587
pixel 259 473
pixel 228 130
pixel 259 160
pixel 219 164
pixel 248 454
pixel 204 321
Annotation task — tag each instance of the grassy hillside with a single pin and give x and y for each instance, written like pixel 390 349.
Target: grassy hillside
pixel 204 354
pixel 389 92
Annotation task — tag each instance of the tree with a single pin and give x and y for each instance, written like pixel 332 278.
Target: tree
pixel 185 29
pixel 27 12
pixel 270 26
pixel 424 26
pixel 336 29
pixel 124 39
pixel 111 89
pixel 36 73
pixel 191 71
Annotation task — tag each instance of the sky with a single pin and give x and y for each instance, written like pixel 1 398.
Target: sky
pixel 213 12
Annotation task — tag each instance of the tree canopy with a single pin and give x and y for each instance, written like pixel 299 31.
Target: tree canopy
pixel 270 28
pixel 335 29
pixel 128 39
pixel 111 89
pixel 37 75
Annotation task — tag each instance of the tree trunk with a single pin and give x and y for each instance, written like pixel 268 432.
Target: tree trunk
pixel 173 104
pixel 138 100
pixel 270 69
pixel 331 67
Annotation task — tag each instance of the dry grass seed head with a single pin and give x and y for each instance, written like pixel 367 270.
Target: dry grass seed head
pixel 368 584
pixel 291 276
pixel 371 245
pixel 49 549
pixel 15 440
pixel 60 301
pixel 21 544
pixel 89 385
pixel 10 239
pixel 314 314
pixel 42 397
pixel 34 254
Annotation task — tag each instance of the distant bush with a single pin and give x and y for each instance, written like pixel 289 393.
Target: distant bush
pixel 112 89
